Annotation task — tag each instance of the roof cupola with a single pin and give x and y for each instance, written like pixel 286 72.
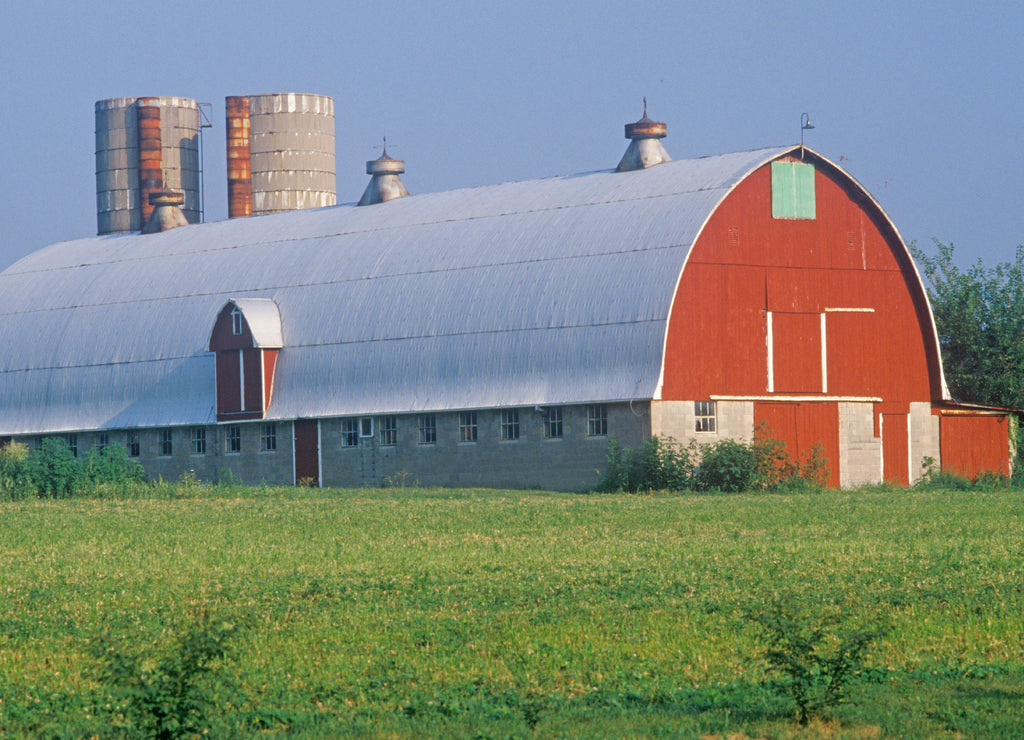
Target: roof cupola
pixel 167 213
pixel 645 149
pixel 385 183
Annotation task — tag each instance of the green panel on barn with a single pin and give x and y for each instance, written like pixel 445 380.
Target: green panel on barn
pixel 792 190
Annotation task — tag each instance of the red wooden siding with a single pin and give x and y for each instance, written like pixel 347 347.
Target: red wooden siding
pixel 253 363
pixel 974 444
pixel 801 426
pixel 796 352
pixel 745 263
pixel 252 376
pixel 269 362
pixel 222 337
pixel 895 461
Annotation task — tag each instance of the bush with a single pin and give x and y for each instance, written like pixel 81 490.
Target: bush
pixel 818 657
pixel 112 466
pixel 728 466
pixel 15 480
pixel 169 693
pixel 658 464
pixel 53 469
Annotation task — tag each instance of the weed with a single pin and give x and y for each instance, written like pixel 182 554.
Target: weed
pixel 168 694
pixel 818 656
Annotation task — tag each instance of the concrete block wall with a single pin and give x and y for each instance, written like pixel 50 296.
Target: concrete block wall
pixel 676 419
pixel 572 462
pixel 249 465
pixel 860 451
pixel 924 438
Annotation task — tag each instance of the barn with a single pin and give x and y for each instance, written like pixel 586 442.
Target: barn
pixel 498 336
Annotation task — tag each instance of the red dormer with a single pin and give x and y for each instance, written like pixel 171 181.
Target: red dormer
pixel 246 338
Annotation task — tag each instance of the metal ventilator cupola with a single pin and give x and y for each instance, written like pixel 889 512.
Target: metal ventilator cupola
pixel 385 183
pixel 167 213
pixel 645 149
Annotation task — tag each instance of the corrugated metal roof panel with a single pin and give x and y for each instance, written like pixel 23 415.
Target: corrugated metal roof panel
pixel 535 292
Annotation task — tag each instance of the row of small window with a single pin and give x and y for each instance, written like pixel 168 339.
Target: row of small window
pixel 469 427
pixel 198 444
pixel 197 440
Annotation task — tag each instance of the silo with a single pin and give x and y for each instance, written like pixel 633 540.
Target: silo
pixel 158 136
pixel 291 152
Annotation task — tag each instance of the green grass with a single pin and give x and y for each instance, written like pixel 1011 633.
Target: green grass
pixel 413 613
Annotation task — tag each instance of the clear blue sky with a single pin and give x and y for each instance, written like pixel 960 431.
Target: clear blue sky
pixel 922 102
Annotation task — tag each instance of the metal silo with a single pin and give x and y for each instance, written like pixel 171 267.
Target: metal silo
pixel 290 153
pixel 144 145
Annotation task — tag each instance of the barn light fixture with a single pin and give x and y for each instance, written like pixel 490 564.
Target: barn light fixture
pixel 805 125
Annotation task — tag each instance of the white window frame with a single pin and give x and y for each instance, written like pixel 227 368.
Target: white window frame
pixel 268 436
pixel 232 439
pixel 705 414
pixel 469 429
pixel 388 430
pixel 597 420
pixel 197 440
pixel 553 425
pixel 165 443
pixel 508 430
pixel 350 432
pixel 428 429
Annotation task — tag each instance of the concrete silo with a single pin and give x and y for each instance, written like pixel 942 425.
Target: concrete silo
pixel 143 145
pixel 280 150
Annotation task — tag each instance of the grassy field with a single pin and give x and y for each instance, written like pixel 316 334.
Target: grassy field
pixel 426 613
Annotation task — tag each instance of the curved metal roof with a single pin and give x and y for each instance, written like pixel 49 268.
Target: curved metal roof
pixel 537 292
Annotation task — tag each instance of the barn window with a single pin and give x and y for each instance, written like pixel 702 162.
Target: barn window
pixel 236 321
pixel 553 422
pixel 509 424
pixel 597 420
pixel 388 431
pixel 467 426
pixel 233 439
pixel 197 440
pixel 72 440
pixel 103 441
pixel 131 443
pixel 350 432
pixel 793 190
pixel 428 429
pixel 165 442
pixel 706 416
pixel 268 437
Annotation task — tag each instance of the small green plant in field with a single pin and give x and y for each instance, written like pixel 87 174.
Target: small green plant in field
pixel 817 656
pixel 169 694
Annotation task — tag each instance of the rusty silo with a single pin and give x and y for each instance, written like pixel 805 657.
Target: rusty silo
pixel 280 150
pixel 144 145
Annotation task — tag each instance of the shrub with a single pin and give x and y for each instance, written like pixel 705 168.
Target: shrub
pixel 936 479
pixel 112 466
pixel 727 466
pixel 15 480
pixel 53 469
pixel 658 464
pixel 817 657
pixel 168 694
